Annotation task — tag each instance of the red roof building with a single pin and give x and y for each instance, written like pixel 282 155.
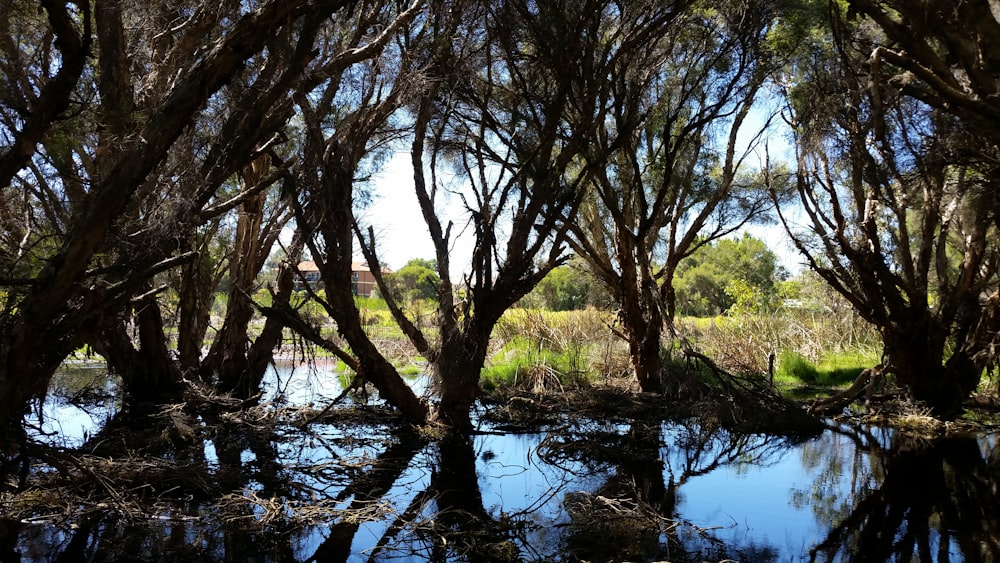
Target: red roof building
pixel 362 280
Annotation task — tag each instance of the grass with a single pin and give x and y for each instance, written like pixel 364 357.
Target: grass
pixel 810 349
pixel 532 347
pixel 833 369
pixel 538 349
pixel 523 363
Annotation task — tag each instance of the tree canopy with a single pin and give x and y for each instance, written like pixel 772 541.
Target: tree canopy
pixel 708 280
pixel 418 279
pixel 153 155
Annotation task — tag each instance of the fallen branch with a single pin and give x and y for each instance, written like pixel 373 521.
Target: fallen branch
pixel 866 381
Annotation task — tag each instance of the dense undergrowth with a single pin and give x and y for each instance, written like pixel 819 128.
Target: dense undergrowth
pixel 534 348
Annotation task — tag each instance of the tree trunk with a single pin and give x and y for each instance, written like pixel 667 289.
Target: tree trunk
pixel 196 296
pixel 916 353
pixel 228 358
pixel 644 351
pixel 149 375
pixel 643 326
pixel 457 370
pixel 373 367
pixel 261 352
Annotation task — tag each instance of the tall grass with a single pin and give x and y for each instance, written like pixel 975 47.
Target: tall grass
pixel 538 349
pixel 532 348
pixel 809 347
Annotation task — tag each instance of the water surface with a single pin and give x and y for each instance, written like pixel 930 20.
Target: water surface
pixel 576 490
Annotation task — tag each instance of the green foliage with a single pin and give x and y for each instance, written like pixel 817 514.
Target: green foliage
pixel 747 299
pixel 800 28
pixel 567 288
pixel 741 273
pixel 831 370
pixel 564 289
pixel 410 369
pixel 418 279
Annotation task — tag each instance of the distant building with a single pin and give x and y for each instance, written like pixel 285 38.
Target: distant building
pixel 309 276
pixel 362 280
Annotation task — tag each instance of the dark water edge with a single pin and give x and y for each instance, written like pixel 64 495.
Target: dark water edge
pixel 577 490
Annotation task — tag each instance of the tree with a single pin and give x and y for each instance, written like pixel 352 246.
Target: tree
pixel 667 169
pixel 500 114
pixel 418 279
pixel 239 366
pixel 942 53
pixel 568 287
pixel 899 210
pixel 109 170
pixel 347 116
pixel 704 277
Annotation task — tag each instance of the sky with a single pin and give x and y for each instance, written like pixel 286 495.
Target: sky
pixel 399 226
pixel 402 234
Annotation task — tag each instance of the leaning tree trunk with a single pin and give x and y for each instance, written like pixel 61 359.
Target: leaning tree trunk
pixel 372 365
pixel 261 353
pixel 148 373
pixel 329 215
pixel 196 294
pixel 227 359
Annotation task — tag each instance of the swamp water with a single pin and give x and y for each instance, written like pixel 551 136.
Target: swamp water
pixel 578 490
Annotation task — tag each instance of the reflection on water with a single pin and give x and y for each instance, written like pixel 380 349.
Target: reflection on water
pixel 79 403
pixel 583 490
pixel 315 382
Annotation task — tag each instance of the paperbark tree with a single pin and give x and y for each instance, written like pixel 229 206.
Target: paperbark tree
pixel 187 191
pixel 667 165
pixel 508 112
pixel 102 221
pixel 347 116
pixel 900 216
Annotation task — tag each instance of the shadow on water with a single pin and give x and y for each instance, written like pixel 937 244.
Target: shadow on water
pixel 263 488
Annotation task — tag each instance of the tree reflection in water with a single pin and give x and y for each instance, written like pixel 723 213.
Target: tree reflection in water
pixel 916 499
pixel 588 490
pixel 644 475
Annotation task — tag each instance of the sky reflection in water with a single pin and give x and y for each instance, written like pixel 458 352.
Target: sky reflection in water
pixel 751 497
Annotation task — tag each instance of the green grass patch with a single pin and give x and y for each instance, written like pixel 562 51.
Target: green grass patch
pixel 832 370
pixel 794 368
pixel 410 369
pixel 522 363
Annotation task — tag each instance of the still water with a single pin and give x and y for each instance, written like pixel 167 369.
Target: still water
pixel 577 490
